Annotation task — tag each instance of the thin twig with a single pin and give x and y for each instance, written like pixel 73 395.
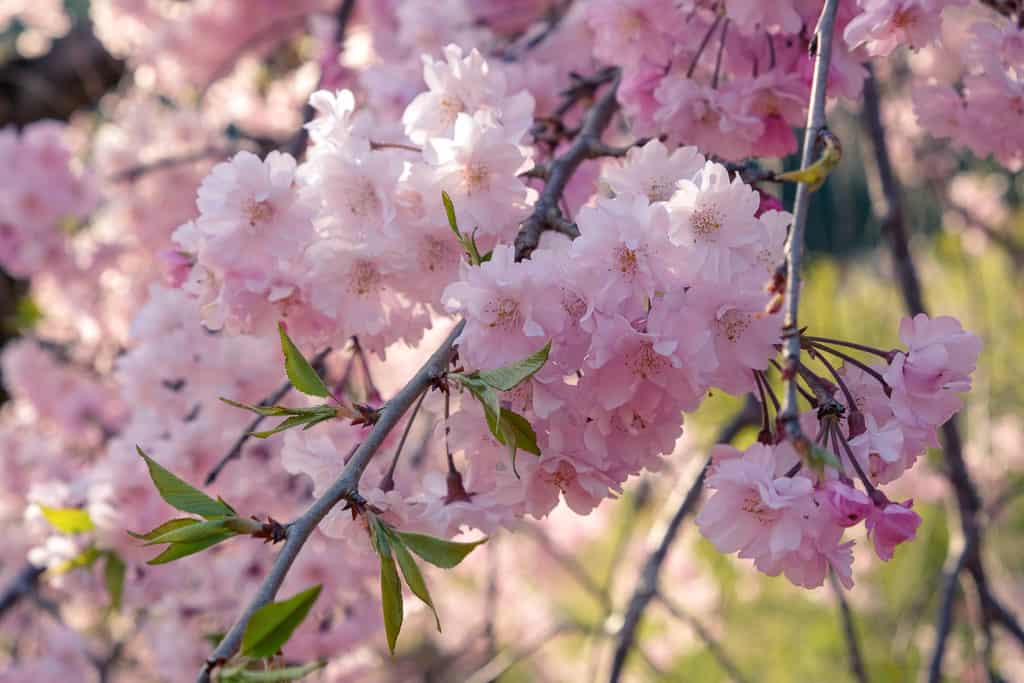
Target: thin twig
pixel 710 642
pixel 682 502
pixel 790 415
pixel 235 451
pixel 345 487
pixel 853 650
pixel 587 145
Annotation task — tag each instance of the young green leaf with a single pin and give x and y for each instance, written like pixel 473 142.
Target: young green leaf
pixel 289 673
pixel 196 533
pixel 391 598
pixel 301 374
pixel 169 525
pixel 437 551
pixel 68 520
pixel 176 551
pixel 113 577
pixel 181 495
pixel 86 558
pixel 818 458
pixel 510 376
pixel 483 392
pixel 449 210
pixel 413 577
pixel 272 625
pixel 265 411
pixel 514 430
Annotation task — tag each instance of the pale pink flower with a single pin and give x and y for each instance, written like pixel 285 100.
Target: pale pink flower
pixel 652 171
pixel 478 168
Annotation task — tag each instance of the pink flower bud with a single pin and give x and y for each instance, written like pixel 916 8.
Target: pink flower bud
pixel 847 505
pixel 891 525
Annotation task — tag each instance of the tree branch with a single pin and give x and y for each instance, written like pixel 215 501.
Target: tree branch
pixel 680 504
pixel 790 415
pixel 710 642
pixel 23 583
pixel 853 650
pixel 888 207
pixel 345 487
pixel 587 145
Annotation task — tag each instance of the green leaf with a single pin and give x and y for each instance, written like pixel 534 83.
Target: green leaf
pixel 288 673
pixel 305 416
pixel 284 425
pixel 449 209
pixel 515 430
pixel 164 528
pixel 302 375
pixel 483 392
pixel 818 458
pixel 265 411
pixel 272 625
pixel 176 551
pixel 413 577
pixel 181 495
pixel 86 558
pixel 68 520
pixel 437 551
pixel 113 577
pixel 196 533
pixel 510 376
pixel 391 598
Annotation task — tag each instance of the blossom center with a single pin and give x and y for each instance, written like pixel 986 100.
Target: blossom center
pixel 364 278
pixel 733 324
pixel 477 178
pixel 645 362
pixel 706 221
pixel 259 211
pixel 507 315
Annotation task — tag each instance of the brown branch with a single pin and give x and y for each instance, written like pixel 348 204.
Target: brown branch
pixel 682 502
pixel 133 173
pixel 587 145
pixel 888 206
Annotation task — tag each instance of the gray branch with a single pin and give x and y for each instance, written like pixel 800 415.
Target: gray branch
pixel 587 145
pixel 790 415
pixel 345 487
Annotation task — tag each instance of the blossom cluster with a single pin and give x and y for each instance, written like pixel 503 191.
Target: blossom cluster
pixel 789 518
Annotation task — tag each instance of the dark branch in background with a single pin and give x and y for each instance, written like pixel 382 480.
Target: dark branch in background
pixel 888 207
pixel 23 583
pixel 587 145
pixel 710 642
pixel 297 145
pixel 74 74
pixel 345 487
pixel 790 416
pixel 853 649
pixel 235 451
pixel 680 505
pixel 133 173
